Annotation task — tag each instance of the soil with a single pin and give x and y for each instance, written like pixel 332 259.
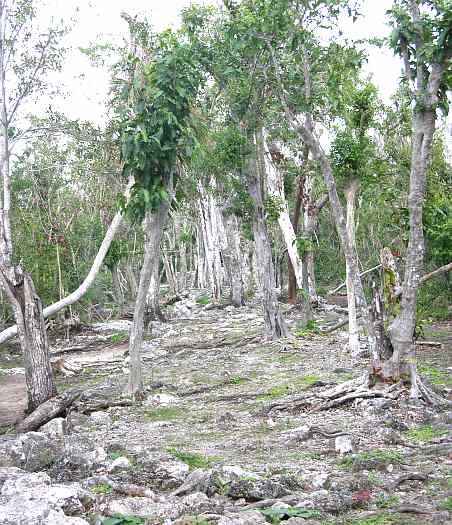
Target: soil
pixel 224 376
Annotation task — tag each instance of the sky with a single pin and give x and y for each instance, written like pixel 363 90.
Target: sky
pixel 98 21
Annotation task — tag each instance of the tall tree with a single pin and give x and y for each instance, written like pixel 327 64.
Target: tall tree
pixel 27 56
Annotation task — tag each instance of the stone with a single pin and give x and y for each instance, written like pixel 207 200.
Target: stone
pixel 196 503
pixel 101 418
pixel 10 473
pixel 148 508
pixel 170 474
pixel 55 428
pixel 317 480
pixel 244 518
pixel 120 463
pixel 22 511
pixel 343 444
pixel 71 498
pixel 161 399
pixel 32 451
pixel 256 489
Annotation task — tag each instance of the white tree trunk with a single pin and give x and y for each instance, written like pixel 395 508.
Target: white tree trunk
pixel 232 257
pixel 209 226
pixel 353 330
pixel 153 226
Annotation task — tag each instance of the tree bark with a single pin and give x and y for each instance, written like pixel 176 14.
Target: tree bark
pixel 233 258
pixel 154 224
pixel 32 335
pixel 153 310
pixel 116 285
pixel 353 330
pixel 276 189
pixel 275 326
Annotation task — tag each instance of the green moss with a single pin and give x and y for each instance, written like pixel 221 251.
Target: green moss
pixel 119 337
pixel 424 433
pixel 383 501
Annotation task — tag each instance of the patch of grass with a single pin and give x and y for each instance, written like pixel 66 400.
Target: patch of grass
pixel 124 519
pixel 237 380
pixel 275 515
pixel 371 459
pixel 424 433
pixel 300 456
pixel 383 501
pixel 434 375
pixel 374 480
pixel 447 504
pixel 102 488
pixel 193 459
pixel 204 299
pixel 289 359
pixel 119 337
pixel 163 414
pixel 300 383
pixel 309 329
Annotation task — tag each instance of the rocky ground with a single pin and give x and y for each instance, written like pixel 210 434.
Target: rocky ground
pixel 231 432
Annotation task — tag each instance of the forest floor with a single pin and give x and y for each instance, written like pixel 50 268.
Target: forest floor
pixel 220 380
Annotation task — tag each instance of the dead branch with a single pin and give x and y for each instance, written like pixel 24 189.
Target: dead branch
pixel 48 410
pixel 332 292
pixel 417 476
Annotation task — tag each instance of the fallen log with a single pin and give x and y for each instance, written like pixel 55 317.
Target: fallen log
pixel 332 292
pixel 48 410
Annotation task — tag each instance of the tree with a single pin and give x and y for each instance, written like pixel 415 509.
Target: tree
pixel 26 58
pixel 422 36
pixel 153 106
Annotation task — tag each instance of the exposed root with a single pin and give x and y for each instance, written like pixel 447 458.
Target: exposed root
pixel 431 397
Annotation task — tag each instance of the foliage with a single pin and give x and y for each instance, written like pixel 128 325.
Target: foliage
pixel 275 515
pixel 153 107
pixel 424 433
pixel 384 501
pixel 192 459
pixel 102 488
pixel 447 504
pixel 204 299
pixel 371 459
pixel 124 519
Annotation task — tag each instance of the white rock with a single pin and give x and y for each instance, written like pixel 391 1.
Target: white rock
pixel 119 464
pixel 56 428
pixel 162 399
pixel 233 470
pixel 343 444
pixel 97 456
pixel 317 480
pixel 101 418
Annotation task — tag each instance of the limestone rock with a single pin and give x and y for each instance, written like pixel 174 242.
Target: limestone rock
pixel 343 444
pixel 120 463
pixel 20 511
pixel 55 428
pixel 32 451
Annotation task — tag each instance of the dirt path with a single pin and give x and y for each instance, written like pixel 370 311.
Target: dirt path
pixel 13 398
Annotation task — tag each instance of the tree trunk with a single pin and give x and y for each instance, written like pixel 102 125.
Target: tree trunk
pixel 32 333
pixel 340 222
pixel 276 188
pixel 401 330
pixel 153 310
pixel 153 227
pixel 275 326
pixel 353 330
pixel 209 215
pixel 233 259
pixel 116 286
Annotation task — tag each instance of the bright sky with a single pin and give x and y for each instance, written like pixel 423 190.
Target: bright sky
pixel 99 21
